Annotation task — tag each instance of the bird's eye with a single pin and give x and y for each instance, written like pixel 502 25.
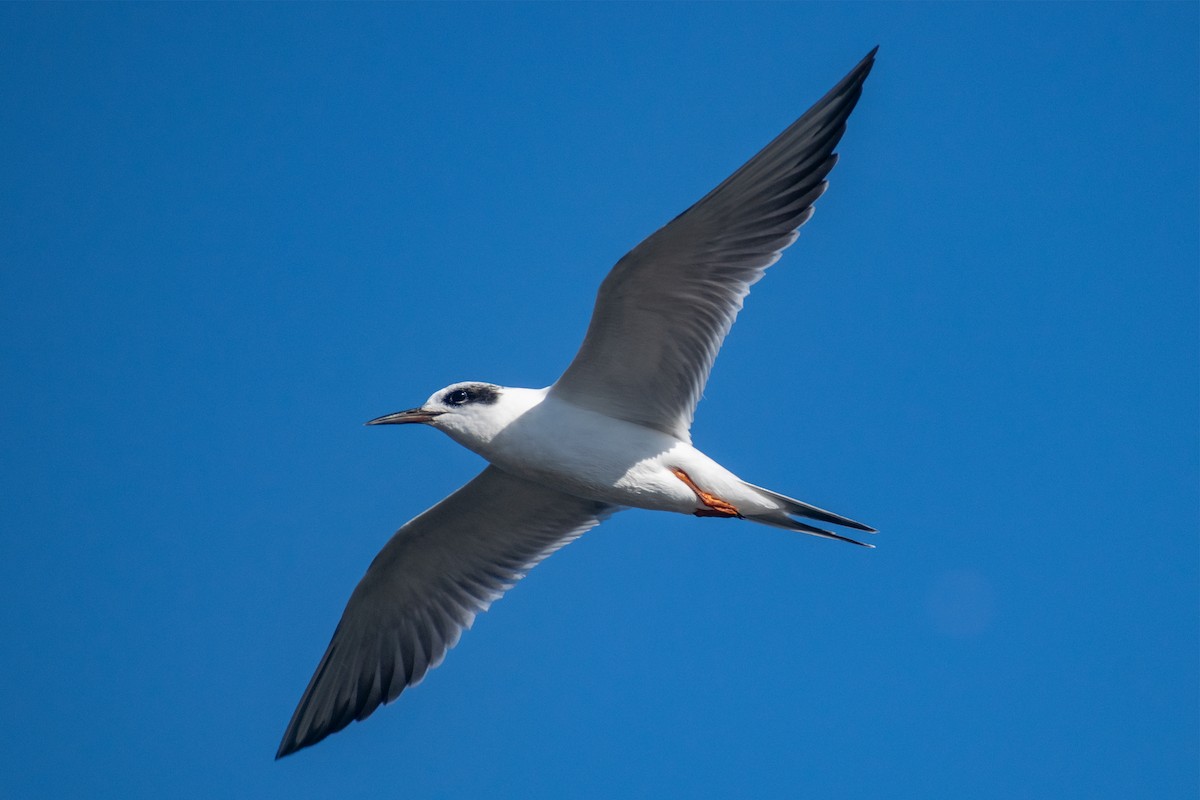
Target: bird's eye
pixel 458 397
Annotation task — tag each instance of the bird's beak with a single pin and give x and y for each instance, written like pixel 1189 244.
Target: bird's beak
pixel 403 417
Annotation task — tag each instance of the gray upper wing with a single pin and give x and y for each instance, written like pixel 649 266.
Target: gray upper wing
pixel 665 308
pixel 425 586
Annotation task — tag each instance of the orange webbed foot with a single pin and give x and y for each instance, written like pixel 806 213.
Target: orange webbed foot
pixel 713 506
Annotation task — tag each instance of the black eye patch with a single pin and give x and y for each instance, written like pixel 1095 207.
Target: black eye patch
pixel 472 394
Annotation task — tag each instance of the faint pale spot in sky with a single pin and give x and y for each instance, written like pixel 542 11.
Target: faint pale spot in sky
pixel 961 603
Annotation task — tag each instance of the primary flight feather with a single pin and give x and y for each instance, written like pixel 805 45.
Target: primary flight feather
pixel 613 432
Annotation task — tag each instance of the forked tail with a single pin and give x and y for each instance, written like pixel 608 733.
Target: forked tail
pixel 790 508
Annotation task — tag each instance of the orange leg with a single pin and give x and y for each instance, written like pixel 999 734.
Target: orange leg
pixel 714 506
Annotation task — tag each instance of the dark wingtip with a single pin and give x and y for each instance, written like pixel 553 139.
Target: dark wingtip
pixel 302 733
pixel 291 744
pixel 863 68
pixel 867 59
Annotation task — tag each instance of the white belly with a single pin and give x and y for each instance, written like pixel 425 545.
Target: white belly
pixel 590 455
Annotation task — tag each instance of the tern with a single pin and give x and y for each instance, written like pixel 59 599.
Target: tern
pixel 611 433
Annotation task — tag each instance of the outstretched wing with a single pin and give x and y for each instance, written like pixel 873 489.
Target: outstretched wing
pixel 425 587
pixel 664 309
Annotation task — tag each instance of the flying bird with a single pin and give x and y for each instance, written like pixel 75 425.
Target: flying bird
pixel 611 433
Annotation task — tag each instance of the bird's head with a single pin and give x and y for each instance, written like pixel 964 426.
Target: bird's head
pixel 467 411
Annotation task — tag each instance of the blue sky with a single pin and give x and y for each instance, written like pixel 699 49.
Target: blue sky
pixel 233 233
